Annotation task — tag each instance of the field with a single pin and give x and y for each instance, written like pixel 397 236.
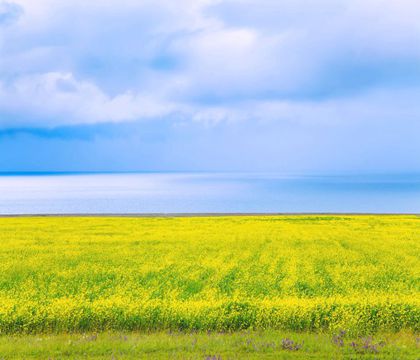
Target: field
pixel 299 274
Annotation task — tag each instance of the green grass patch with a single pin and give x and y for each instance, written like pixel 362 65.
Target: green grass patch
pixel 209 346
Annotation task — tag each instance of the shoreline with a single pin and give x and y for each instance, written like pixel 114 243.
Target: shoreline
pixel 210 214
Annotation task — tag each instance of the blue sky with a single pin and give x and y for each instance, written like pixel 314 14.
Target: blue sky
pixel 323 86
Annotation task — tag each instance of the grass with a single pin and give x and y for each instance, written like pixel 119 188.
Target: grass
pixel 300 277
pixel 266 344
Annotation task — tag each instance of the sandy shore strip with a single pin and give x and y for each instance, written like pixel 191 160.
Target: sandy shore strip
pixel 210 214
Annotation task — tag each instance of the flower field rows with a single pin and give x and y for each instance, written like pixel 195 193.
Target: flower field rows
pixel 357 273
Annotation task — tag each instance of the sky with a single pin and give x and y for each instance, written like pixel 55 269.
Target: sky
pixel 293 86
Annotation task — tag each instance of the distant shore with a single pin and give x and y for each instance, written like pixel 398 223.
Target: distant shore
pixel 166 215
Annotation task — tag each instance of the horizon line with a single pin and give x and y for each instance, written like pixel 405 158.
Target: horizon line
pixel 315 173
pixel 209 214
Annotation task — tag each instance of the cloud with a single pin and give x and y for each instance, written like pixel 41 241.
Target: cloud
pixel 333 47
pixel 76 62
pixel 9 13
pixel 58 99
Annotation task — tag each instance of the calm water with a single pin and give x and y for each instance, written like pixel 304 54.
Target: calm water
pixel 189 193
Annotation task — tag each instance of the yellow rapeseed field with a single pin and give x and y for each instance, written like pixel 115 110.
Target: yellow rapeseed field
pixel 356 273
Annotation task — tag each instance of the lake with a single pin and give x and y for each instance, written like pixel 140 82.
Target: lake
pixel 129 193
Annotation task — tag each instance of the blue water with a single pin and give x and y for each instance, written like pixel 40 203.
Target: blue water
pixel 206 193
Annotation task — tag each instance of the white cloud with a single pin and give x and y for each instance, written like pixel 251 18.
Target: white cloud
pixel 378 107
pixel 74 62
pixel 56 99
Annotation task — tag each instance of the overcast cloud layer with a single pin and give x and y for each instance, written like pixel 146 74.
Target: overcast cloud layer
pixel 292 85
